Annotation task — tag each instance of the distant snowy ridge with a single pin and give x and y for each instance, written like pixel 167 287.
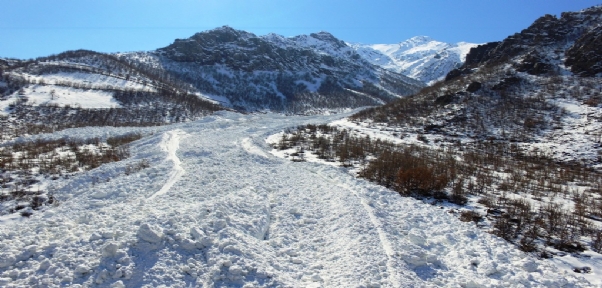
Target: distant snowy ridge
pixel 420 57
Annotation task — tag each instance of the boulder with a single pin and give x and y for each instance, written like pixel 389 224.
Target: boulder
pixel 150 233
pixel 474 87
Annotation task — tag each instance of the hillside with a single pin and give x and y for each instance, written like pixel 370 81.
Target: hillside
pixel 420 57
pixel 86 88
pixel 522 89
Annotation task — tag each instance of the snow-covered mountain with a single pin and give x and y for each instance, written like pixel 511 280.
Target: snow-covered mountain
pixel 273 72
pixel 420 57
pixel 247 72
pixel 224 66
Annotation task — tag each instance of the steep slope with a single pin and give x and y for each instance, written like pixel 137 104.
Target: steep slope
pixel 585 56
pixel 419 57
pixel 277 73
pixel 215 209
pixel 547 46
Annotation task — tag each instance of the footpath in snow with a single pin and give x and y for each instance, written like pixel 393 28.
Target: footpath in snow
pixel 216 209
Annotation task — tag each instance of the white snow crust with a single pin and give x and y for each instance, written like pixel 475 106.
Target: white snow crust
pixel 215 208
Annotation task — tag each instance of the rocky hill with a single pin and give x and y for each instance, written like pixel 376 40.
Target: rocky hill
pixel 296 74
pixel 420 57
pixel 550 46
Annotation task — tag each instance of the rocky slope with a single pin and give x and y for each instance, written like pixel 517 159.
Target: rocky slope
pixel 421 57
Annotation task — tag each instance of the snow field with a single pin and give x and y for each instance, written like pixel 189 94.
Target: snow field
pixel 41 95
pixel 96 95
pixel 236 216
pixel 170 144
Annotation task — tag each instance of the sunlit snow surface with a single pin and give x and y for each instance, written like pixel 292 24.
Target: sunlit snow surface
pixel 233 215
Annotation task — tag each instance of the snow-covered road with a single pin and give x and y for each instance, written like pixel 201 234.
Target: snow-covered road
pixel 217 209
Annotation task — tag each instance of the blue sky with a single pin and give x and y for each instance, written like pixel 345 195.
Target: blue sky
pixel 32 28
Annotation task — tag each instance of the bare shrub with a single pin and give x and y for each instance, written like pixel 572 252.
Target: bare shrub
pixel 135 167
pixel 469 215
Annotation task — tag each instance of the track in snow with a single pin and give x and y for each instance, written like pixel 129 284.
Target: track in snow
pixel 384 241
pixel 170 144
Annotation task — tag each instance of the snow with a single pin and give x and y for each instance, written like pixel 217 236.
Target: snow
pixel 463 48
pixel 215 99
pixel 97 81
pixel 241 217
pixel 579 136
pixel 42 94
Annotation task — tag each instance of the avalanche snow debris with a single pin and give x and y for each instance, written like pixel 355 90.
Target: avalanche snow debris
pixel 364 235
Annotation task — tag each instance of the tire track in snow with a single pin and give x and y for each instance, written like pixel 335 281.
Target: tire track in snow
pixel 170 144
pixel 394 277
pixel 385 243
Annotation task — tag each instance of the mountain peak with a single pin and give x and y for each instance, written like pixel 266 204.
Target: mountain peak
pixel 327 37
pixel 222 34
pixel 415 41
pixel 421 38
pixel 323 35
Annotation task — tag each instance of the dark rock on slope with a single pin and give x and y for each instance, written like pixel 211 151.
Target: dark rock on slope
pixel 585 56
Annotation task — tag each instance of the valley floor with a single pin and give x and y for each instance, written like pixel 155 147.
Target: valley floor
pixel 216 209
